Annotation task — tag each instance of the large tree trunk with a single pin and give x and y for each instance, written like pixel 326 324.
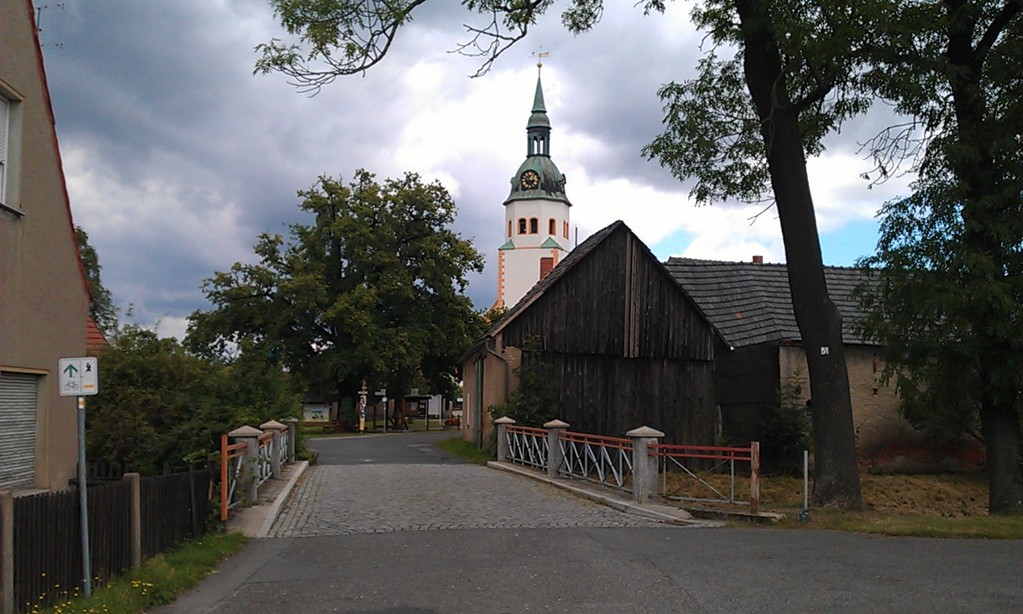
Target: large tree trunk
pixel 1000 424
pixel 979 163
pixel 836 474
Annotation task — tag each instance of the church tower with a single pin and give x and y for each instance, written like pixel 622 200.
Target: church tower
pixel 536 213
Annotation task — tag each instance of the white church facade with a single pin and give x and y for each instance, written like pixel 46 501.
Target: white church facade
pixel 536 214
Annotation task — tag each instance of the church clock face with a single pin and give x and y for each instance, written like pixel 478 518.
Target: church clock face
pixel 530 180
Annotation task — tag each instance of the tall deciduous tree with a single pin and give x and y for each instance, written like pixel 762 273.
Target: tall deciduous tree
pixel 373 289
pixel 102 309
pixel 789 83
pixel 950 295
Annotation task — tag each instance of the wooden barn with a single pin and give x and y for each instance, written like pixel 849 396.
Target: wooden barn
pixel 626 344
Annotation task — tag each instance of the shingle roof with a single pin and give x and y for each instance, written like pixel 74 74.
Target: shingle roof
pixel 750 303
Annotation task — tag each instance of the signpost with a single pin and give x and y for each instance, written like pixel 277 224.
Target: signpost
pixel 79 377
pixel 382 393
pixel 362 406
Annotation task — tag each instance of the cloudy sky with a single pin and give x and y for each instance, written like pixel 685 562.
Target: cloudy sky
pixel 177 156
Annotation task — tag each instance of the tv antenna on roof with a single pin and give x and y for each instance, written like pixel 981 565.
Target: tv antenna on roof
pixel 39 23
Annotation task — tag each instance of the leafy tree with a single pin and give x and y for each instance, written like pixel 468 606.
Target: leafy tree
pixel 373 289
pixel 164 407
pixel 102 308
pixel 950 291
pixel 743 129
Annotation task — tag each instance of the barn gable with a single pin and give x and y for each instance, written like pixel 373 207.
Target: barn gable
pixel 624 342
pixel 610 297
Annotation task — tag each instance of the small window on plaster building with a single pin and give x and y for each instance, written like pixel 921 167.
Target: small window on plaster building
pixel 546 264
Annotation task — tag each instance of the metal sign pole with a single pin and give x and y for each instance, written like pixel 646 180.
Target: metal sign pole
pixel 83 499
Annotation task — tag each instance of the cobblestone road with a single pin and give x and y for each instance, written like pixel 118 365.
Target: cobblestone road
pixel 351 499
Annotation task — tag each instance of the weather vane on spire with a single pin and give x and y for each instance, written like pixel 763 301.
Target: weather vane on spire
pixel 540 55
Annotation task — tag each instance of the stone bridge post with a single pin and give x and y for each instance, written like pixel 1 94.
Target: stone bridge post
pixel 292 438
pixel 503 449
pixel 275 458
pixel 248 480
pixel 554 455
pixel 644 466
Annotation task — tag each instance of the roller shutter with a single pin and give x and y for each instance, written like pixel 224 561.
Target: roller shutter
pixel 17 428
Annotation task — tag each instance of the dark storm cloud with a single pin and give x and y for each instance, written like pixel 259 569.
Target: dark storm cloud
pixel 177 156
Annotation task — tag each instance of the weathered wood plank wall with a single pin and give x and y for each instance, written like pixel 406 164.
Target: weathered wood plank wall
pixel 617 301
pixel 628 346
pixel 611 395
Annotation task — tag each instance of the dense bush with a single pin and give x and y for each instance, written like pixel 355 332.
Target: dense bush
pixel 786 433
pixel 160 406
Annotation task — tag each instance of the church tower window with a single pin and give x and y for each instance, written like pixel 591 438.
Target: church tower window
pixel 552 227
pixel 522 225
pixel 534 225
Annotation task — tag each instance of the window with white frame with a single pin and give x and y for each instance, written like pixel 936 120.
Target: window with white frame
pixel 10 150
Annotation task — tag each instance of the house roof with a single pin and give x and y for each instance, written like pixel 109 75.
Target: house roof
pixel 751 303
pixel 95 341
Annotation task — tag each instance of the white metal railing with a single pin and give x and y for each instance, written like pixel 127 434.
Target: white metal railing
pixel 243 469
pixel 602 460
pixel 284 449
pixel 527 445
pixel 264 465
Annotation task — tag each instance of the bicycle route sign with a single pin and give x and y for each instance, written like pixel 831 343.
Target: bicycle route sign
pixel 79 377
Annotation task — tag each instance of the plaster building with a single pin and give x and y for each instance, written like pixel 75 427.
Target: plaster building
pixel 44 299
pixel 536 213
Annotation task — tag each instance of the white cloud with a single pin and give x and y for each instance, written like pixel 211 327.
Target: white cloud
pixel 176 156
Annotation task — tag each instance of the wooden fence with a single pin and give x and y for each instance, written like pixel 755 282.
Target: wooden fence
pixel 47 561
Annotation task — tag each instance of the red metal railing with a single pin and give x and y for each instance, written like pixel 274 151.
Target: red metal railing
pixel 619 443
pixel 229 480
pixel 672 453
pixel 526 430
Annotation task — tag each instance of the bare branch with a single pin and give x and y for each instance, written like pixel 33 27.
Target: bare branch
pixel 890 149
pixel 753 218
pixel 496 43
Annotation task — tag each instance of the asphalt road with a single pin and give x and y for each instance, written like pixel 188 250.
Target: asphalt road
pixel 528 565
pixel 416 448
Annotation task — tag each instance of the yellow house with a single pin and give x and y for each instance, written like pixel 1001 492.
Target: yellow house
pixel 44 299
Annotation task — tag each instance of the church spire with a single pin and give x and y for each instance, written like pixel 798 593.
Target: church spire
pixel 538 130
pixel 538 176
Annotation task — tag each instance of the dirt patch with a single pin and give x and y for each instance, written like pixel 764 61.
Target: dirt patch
pixel 948 495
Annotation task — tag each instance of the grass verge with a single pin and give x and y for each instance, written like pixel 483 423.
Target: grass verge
pixel 464 449
pixel 934 505
pixel 159 580
pixel 911 525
